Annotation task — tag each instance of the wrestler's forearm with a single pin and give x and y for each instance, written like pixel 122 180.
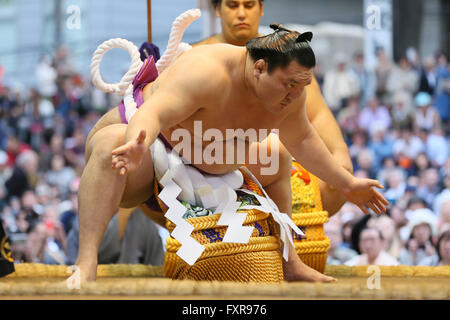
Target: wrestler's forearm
pixel 330 133
pixel 313 155
pixel 143 120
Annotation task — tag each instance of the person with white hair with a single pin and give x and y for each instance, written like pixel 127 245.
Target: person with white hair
pixel 420 231
pixel 396 185
pixel 402 109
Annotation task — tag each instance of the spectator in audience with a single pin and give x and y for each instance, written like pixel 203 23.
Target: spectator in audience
pixel 337 254
pixel 348 117
pixel 60 175
pixel 436 146
pixel 402 110
pixel 398 215
pixel 340 84
pixel 443 248
pixel 24 175
pixel 374 115
pixel 365 161
pixel 371 244
pixel 444 213
pixel 387 166
pixel 428 75
pixel 390 233
pixel 46 78
pixel 347 228
pixel 421 229
pixel 425 117
pixel 420 163
pixel 396 185
pixel 402 79
pixel 14 147
pixel 366 78
pixel 429 188
pixel 380 144
pixel 383 69
pixel 359 140
pixel 406 148
pixel 442 92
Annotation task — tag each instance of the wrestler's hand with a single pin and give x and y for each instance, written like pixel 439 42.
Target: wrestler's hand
pixel 129 156
pixel 362 193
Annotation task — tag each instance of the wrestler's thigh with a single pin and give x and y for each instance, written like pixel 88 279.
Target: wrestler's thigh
pixel 139 183
pixel 269 160
pixel 112 117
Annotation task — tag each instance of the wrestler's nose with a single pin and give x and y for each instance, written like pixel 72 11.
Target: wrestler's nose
pixel 241 12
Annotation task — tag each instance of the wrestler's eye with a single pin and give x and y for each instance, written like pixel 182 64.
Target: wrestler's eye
pixel 249 5
pixel 232 5
pixel 291 85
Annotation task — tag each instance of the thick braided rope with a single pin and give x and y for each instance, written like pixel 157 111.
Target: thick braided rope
pixel 310 218
pixel 209 222
pixel 255 244
pixel 176 34
pixel 35 270
pixel 318 246
pixel 121 87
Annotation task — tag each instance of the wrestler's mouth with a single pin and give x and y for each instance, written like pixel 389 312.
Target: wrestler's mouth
pixel 285 103
pixel 241 25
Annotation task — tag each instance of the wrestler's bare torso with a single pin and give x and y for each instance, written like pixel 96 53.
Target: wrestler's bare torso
pixel 234 106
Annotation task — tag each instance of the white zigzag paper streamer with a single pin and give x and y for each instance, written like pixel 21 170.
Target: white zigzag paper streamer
pixel 268 206
pixel 236 232
pixel 190 249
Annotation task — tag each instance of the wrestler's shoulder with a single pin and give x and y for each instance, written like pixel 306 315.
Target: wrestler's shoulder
pixel 205 61
pixel 210 40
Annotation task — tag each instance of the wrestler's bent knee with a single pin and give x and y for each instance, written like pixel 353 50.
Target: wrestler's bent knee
pixel 105 140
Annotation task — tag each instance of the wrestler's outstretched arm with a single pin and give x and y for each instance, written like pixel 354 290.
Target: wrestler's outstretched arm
pixel 328 129
pixel 186 89
pixel 305 145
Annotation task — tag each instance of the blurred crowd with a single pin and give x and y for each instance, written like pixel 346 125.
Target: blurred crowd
pixel 394 119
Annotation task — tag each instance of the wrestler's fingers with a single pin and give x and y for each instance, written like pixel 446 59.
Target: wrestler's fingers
pixel 376 183
pixel 381 198
pixel 373 207
pixel 363 208
pixel 116 159
pixel 380 204
pixel 119 165
pixel 120 150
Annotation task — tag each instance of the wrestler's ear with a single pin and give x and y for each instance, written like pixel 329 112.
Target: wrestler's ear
pixel 259 67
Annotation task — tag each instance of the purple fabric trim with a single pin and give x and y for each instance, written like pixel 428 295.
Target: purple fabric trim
pixel 146 74
pixel 122 113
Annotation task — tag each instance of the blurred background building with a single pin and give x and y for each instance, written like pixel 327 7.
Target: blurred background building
pixel 31 29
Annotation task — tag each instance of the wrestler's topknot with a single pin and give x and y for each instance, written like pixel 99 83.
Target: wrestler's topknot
pixel 282 46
